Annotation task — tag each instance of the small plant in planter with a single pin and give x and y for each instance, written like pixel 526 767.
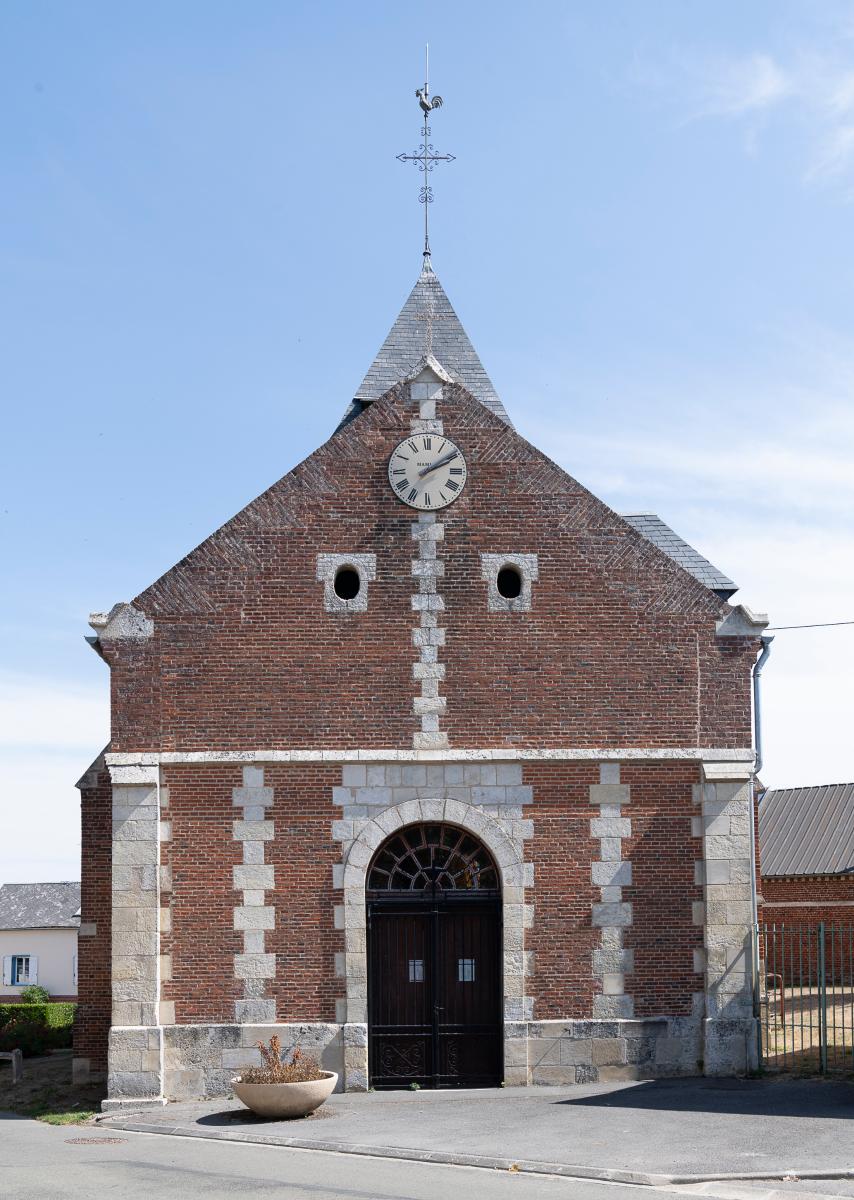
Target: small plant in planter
pixel 283 1087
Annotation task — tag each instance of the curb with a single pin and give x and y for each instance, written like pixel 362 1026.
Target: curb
pixel 447 1158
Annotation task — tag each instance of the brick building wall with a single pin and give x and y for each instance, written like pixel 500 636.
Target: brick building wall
pixel 93 1013
pixel 808 899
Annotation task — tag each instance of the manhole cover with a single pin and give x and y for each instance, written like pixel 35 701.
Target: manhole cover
pixel 99 1141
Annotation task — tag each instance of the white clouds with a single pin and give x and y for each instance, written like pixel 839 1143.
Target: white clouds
pixel 732 87
pixel 813 89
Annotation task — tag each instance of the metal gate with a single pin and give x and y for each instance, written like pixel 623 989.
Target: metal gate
pixel 434 990
pixel 806 997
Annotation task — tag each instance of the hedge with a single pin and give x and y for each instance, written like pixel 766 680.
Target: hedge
pixel 36 1028
pixel 56 1015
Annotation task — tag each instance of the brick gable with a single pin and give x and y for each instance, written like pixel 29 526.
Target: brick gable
pixel 619 647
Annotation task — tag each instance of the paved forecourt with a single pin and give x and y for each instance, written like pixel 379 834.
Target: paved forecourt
pixel 658 1131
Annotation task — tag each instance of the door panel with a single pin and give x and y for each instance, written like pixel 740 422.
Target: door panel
pixel 401 1012
pixel 434 993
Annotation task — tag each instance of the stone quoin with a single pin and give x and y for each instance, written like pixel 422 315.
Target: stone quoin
pixel 494 728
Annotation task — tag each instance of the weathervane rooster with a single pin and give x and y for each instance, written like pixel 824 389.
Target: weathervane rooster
pixel 427 105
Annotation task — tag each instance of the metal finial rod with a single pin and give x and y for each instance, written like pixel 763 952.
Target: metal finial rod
pixel 425 157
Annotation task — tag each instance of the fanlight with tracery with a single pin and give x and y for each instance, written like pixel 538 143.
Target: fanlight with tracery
pixel 420 855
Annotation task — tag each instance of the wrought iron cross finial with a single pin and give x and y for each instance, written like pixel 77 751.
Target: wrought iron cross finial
pixel 425 157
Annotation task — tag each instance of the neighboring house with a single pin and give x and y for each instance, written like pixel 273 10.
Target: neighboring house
pixel 38 938
pixel 806 855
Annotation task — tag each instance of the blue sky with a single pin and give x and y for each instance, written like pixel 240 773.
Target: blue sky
pixel 205 235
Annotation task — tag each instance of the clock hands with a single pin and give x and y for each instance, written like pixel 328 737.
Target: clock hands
pixel 439 463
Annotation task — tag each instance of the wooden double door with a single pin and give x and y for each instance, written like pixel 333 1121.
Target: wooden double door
pixel 434 991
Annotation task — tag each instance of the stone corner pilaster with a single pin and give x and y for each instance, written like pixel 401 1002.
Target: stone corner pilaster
pixel 730 1034
pixel 134 1048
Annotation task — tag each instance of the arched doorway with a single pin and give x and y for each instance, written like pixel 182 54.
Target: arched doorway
pixel 434 961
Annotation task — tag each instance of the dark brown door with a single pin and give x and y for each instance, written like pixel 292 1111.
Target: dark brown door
pixel 434 992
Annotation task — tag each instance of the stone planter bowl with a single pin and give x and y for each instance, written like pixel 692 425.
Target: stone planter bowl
pixel 279 1100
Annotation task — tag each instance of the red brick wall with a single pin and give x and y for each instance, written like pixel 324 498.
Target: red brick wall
pixel 808 899
pixel 562 937
pixel 662 853
pixel 305 939
pixel 619 648
pixel 202 853
pixel 94 954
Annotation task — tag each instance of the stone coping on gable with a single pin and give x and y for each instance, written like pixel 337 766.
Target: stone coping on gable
pixel 492 754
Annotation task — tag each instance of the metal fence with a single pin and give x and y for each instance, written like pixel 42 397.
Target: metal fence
pixel 806 998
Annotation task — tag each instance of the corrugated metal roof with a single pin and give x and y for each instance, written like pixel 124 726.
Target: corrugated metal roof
pixel 654 530
pixel 406 344
pixel 39 905
pixel 807 830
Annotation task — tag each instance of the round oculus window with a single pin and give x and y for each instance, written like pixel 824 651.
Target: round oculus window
pixel 509 583
pixel 347 583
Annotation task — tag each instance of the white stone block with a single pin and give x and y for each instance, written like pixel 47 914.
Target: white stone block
pixel 253 876
pixel 611 827
pixel 250 917
pixel 255 966
pixel 613 983
pixel 608 874
pixel 609 793
pixel 612 914
pixel 253 831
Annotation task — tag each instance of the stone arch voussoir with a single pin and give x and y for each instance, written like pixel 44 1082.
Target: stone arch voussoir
pixel 506 855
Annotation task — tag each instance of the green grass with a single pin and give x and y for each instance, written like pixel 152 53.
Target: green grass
pixel 53 1105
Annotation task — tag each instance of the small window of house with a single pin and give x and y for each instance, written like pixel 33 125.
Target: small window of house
pixel 20 969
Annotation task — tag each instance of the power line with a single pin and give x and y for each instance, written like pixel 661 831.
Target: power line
pixel 821 625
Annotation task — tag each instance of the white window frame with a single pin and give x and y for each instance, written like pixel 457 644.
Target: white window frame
pixel 17 981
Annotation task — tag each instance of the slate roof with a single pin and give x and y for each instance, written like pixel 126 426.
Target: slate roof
pixel 654 530
pixel 406 345
pixel 807 830
pixel 39 905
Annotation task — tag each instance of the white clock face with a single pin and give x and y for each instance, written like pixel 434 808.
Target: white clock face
pixel 427 471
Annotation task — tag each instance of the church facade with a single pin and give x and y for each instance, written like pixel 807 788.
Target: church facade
pixel 427 761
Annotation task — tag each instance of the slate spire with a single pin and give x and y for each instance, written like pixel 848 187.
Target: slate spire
pixel 427 324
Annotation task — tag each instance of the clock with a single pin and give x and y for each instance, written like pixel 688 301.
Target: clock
pixel 427 471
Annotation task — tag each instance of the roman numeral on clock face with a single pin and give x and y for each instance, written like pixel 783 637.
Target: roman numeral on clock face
pixel 413 494
pixel 402 485
pixel 413 446
pixel 453 485
pixel 456 470
pixel 428 442
pixel 427 499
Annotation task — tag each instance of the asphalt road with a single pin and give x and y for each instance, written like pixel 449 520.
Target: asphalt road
pixel 43 1162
